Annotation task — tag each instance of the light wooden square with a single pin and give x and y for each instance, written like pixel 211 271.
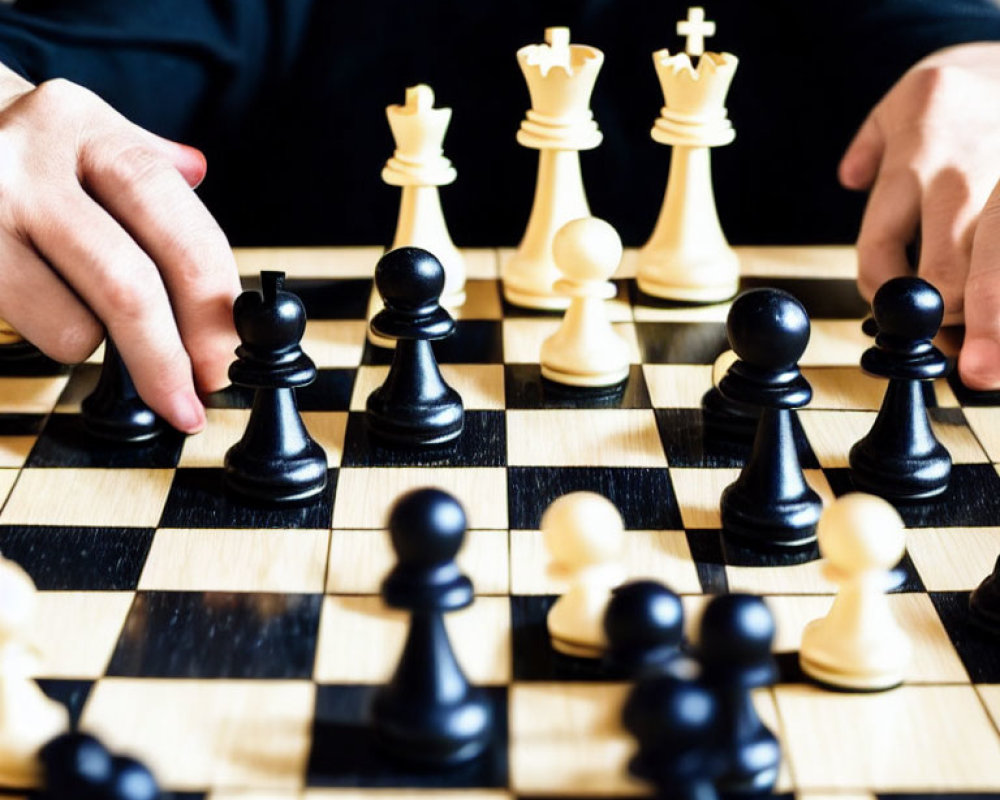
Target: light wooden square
pixel 309 262
pixel 76 632
pixel 953 559
pixel 991 697
pixel 481 386
pixel 699 491
pixel 117 498
pixel 523 337
pixel 677 385
pixel 934 659
pixel 367 793
pixel 584 437
pixel 291 561
pixel 14 450
pixel 480 636
pixel 916 738
pixel 567 738
pixel 793 579
pixel 824 261
pixel 835 342
pixel 658 555
pixel 30 395
pixel 196 734
pixel 226 427
pixel 334 343
pixel 359 560
pixel 833 433
pixel 8 477
pixel 844 388
pixel 985 423
pixel 482 301
pixel 365 494
pixel 251 794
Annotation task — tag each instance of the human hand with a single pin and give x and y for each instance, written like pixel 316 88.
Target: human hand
pixel 930 154
pixel 100 229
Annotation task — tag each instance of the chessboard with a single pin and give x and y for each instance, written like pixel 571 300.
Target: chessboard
pixel 236 649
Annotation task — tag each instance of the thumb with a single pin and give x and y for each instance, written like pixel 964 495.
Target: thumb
pixel 979 361
pixel 860 163
pixel 188 160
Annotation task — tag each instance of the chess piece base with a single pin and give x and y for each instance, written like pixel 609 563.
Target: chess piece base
pixel 289 481
pixel 851 681
pixel 131 426
pixel 654 282
pixel 33 719
pixel 907 479
pixel 574 649
pixel 790 523
pixel 414 427
pixel 593 379
pixel 527 299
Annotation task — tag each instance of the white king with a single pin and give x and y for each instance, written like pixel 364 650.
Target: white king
pixel 687 257
pixel 419 166
pixel 560 79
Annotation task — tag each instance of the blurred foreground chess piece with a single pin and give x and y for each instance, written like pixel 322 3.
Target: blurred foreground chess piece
pixel 79 767
pixel 585 535
pixel 679 727
pixel 735 636
pixel 770 504
pixel 277 460
pixel 428 713
pixel 28 719
pixel 586 350
pixel 419 166
pixel 900 458
pixel 114 410
pixel 687 256
pixel 644 627
pixel 984 602
pixel 560 79
pixel 858 645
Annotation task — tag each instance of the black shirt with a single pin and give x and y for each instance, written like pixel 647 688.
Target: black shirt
pixel 287 98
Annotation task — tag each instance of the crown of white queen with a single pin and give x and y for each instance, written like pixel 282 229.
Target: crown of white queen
pixel 560 79
pixel 418 129
pixel 694 112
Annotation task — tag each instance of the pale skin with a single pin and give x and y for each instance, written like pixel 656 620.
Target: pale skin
pixel 929 154
pixel 100 228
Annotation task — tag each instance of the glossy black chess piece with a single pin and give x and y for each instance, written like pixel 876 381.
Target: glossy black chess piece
pixel 678 726
pixel 724 417
pixel 900 458
pixel 770 504
pixel 131 780
pixel 76 766
pixel 984 602
pixel 428 713
pixel 114 410
pixel 276 461
pixel 735 636
pixel 414 407
pixel 644 623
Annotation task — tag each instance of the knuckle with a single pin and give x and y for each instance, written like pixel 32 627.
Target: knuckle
pixel 74 342
pixel 131 164
pixel 130 299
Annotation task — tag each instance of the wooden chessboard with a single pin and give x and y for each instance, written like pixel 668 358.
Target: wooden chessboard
pixel 236 649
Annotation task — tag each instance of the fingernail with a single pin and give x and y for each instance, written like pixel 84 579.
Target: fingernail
pixel 187 414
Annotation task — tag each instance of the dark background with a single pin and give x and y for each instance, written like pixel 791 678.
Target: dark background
pixel 288 101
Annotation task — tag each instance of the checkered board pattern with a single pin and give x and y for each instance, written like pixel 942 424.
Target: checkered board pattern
pixel 236 649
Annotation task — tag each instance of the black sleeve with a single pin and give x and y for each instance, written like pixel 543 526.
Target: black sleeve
pixel 185 69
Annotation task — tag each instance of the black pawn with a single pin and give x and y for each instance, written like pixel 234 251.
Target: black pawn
pixel 770 503
pixel 428 713
pixel 726 418
pixel 734 647
pixel 900 458
pixel 984 602
pixel 678 725
pixel 76 767
pixel 276 461
pixel 114 410
pixel 131 780
pixel 644 623
pixel 414 407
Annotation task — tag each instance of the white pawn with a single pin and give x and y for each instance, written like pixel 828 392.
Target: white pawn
pixel 585 536
pixel 28 719
pixel 858 645
pixel 586 350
